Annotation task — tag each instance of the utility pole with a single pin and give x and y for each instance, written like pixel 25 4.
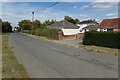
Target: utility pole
pixel 32 19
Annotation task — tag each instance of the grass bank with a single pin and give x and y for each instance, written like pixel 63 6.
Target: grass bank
pixel 103 50
pixel 11 68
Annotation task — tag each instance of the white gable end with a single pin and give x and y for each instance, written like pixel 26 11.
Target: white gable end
pixel 70 31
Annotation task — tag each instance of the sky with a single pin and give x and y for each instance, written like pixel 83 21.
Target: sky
pixel 17 11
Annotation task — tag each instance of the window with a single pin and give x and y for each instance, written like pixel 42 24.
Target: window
pixel 109 29
pixel 81 30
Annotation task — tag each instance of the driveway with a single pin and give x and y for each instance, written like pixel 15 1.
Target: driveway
pixel 44 59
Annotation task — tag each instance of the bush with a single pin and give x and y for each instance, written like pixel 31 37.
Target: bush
pixel 105 39
pixel 6 27
pixel 29 32
pixel 50 33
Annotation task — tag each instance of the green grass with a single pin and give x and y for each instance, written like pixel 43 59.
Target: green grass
pixel 99 49
pixel 10 65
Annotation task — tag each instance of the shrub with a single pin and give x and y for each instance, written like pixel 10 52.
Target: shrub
pixel 6 26
pixel 29 32
pixel 105 39
pixel 50 33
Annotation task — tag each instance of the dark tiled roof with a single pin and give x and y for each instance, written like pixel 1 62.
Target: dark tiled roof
pixel 63 24
pixel 110 23
pixel 87 22
pixel 91 27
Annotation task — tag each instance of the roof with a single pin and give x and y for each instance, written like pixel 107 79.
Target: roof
pixel 91 27
pixel 115 22
pixel 63 25
pixel 88 21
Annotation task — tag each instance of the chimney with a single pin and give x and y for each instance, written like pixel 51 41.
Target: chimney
pixel 94 20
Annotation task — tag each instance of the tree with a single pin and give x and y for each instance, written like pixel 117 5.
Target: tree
pixel 70 19
pixel 76 21
pixel 67 18
pixel 25 24
pixel 36 24
pixel 48 22
pixel 0 25
pixel 18 29
pixel 6 27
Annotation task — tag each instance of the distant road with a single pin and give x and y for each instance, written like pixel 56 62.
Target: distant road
pixel 45 59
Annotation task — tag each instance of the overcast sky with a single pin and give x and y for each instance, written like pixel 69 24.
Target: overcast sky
pixel 16 11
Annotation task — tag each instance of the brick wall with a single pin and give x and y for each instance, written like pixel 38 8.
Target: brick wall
pixel 70 37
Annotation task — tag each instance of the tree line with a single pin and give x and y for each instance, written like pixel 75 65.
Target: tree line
pixel 29 25
pixel 6 26
pixel 71 20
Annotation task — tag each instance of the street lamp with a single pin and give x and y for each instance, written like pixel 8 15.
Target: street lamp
pixel 32 19
pixel 33 16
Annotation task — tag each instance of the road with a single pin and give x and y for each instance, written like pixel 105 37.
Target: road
pixel 45 59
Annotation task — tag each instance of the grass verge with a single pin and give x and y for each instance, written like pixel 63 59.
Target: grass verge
pixel 10 65
pixel 99 49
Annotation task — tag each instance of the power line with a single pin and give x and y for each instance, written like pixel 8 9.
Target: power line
pixel 54 4
pixel 42 10
pixel 11 15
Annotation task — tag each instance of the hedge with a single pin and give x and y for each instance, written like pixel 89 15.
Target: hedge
pixel 49 33
pixel 104 39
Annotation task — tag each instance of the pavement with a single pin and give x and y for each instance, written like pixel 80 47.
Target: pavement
pixel 74 43
pixel 46 59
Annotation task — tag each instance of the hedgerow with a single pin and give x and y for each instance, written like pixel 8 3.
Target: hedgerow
pixel 105 39
pixel 49 33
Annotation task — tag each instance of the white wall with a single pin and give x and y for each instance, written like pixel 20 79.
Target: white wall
pixel 81 27
pixel 98 29
pixel 70 31
pixel 105 30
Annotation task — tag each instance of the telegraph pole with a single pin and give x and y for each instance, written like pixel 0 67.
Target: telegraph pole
pixel 32 19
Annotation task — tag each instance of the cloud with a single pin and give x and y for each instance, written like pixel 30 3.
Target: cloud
pixel 103 5
pixel 83 16
pixel 83 7
pixel 100 6
pixel 14 14
pixel 75 7
pixel 97 20
pixel 24 11
pixel 46 11
pixel 11 18
pixel 6 14
pixel 112 15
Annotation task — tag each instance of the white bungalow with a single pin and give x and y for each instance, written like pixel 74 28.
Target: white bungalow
pixel 87 25
pixel 67 27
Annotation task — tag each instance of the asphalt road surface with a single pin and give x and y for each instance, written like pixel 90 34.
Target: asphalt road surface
pixel 45 59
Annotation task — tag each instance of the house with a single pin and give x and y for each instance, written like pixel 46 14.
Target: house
pixel 67 27
pixel 14 29
pixel 110 25
pixel 69 30
pixel 87 25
